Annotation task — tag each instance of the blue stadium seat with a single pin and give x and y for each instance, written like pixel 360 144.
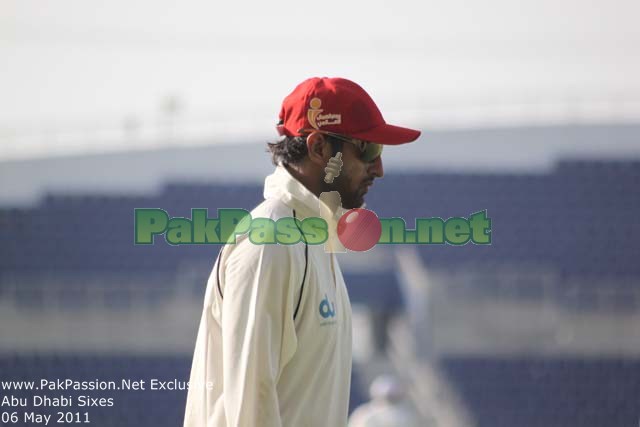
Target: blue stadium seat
pixel 579 220
pixel 547 392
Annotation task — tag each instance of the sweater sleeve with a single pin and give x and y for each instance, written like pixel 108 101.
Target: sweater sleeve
pixel 258 332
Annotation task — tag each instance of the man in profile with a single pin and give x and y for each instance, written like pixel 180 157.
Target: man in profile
pixel 274 343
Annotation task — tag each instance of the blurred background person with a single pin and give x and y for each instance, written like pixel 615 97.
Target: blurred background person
pixel 389 406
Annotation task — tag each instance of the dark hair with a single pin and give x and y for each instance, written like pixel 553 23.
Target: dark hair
pixel 289 150
pixel 293 149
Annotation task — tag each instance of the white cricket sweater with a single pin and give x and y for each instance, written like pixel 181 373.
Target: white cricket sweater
pixel 263 367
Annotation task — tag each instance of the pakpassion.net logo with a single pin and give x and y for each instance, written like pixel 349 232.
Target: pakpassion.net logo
pixel 358 229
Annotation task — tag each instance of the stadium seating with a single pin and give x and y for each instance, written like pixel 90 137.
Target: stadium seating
pixel 380 291
pixel 579 220
pixel 527 392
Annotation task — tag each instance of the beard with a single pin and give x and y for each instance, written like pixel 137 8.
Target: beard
pixel 350 199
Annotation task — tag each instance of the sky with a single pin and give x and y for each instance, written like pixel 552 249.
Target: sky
pixel 77 66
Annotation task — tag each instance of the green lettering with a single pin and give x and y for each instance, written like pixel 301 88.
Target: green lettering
pixel 430 230
pixel 456 231
pixel 233 222
pixel 204 229
pixel 149 222
pixel 262 231
pixel 287 231
pixel 480 228
pixel 180 231
pixel 392 230
pixel 315 230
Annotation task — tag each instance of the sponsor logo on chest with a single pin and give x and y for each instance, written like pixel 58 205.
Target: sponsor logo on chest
pixel 327 310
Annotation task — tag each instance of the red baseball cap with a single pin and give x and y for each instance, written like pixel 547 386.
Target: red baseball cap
pixel 340 106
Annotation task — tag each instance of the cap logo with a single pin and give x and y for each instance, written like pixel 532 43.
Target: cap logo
pixel 316 119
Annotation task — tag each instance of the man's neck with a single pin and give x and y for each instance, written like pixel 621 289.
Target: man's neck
pixel 306 179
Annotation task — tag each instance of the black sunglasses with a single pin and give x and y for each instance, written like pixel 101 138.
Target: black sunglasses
pixel 369 151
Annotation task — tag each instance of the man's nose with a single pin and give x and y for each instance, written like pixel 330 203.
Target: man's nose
pixel 376 168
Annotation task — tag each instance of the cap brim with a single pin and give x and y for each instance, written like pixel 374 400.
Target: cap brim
pixel 388 135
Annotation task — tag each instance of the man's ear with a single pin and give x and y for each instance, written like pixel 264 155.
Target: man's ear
pixel 319 149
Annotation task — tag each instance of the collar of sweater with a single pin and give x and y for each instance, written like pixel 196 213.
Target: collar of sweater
pixel 283 186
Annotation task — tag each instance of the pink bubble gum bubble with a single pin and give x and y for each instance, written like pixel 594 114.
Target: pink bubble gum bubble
pixel 359 229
